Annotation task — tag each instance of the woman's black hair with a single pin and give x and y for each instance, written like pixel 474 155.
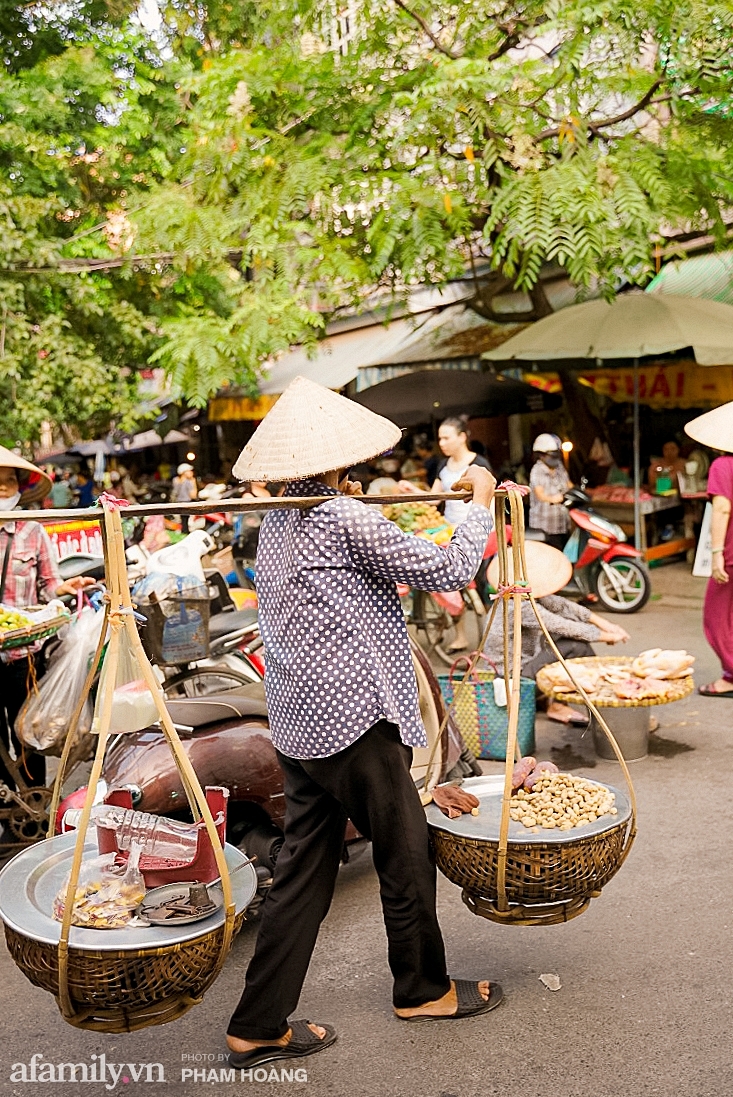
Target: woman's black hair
pixel 459 424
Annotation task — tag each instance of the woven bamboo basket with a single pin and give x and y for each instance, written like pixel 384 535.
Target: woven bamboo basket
pixel 41 630
pixel 119 991
pixel 539 882
pixel 125 991
pixel 544 882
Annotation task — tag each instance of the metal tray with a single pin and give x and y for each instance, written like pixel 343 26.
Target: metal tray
pixel 29 883
pixel 485 826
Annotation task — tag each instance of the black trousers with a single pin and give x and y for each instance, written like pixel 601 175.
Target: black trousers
pixel 14 679
pixel 569 649
pixel 369 783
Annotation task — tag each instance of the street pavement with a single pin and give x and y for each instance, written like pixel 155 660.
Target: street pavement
pixel 645 1003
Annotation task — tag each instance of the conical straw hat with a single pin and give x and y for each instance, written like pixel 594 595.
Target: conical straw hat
pixel 310 430
pixel 548 569
pixel 714 428
pixel 34 483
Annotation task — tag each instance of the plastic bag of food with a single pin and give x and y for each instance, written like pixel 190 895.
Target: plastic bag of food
pixel 133 705
pixel 107 894
pixel 43 721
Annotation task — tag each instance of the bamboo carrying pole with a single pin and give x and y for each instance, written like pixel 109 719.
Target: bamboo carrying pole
pixel 122 623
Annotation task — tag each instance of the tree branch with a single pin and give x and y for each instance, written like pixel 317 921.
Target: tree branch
pixel 513 38
pixel 433 38
pixel 646 100
pixel 515 32
pixel 89 263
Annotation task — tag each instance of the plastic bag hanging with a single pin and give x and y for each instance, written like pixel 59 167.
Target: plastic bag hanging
pixel 133 705
pixel 43 722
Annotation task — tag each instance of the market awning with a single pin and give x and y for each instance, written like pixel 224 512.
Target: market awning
pixel 420 395
pixel 149 438
pixel 452 332
pixel 339 357
pixel 709 276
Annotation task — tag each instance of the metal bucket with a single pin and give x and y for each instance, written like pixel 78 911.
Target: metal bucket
pixel 630 728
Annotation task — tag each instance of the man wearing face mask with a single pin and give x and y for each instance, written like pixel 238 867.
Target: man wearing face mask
pixel 28 575
pixel 548 482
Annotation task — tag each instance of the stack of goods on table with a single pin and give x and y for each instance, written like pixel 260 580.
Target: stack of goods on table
pixel 422 519
pixel 654 677
pixel 616 493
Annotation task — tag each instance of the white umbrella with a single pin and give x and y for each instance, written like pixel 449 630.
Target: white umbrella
pixel 635 325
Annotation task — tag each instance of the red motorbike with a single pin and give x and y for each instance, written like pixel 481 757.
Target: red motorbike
pixel 604 565
pixel 606 570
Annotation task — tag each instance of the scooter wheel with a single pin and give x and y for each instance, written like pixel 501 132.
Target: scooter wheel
pixel 627 589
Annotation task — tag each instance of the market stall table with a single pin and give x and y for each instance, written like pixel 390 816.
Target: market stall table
pixel 622 512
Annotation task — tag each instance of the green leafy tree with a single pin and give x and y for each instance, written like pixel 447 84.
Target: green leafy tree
pixel 88 121
pixel 333 149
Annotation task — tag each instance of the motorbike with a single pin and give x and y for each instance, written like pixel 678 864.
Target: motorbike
pixel 235 656
pixel 227 739
pixel 604 565
pixel 606 570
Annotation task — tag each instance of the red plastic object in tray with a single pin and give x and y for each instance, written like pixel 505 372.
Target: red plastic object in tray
pixel 156 871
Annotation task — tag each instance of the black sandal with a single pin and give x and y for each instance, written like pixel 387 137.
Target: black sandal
pixel 303 1041
pixel 471 1003
pixel 708 691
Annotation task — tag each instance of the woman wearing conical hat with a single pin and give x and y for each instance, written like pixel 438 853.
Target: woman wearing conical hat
pixel 344 715
pixel 28 575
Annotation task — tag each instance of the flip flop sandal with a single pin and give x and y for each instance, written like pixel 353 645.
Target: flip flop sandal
pixel 706 691
pixel 470 1002
pixel 302 1042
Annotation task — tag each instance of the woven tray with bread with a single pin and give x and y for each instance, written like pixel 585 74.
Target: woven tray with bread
pixel 655 677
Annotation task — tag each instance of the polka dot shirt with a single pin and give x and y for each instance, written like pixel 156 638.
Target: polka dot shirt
pixel 336 647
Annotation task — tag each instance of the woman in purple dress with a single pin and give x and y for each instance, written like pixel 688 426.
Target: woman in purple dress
pixel 715 429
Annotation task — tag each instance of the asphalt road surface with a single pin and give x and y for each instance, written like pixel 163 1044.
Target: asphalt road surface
pixel 645 1003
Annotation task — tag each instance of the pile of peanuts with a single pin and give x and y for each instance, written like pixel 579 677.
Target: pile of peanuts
pixel 561 801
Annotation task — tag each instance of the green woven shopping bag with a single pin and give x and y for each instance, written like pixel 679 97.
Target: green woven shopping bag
pixel 482 723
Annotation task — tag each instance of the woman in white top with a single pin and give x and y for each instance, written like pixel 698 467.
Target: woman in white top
pixel 453 438
pixel 453 441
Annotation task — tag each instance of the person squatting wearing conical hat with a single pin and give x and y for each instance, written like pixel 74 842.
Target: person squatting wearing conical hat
pixel 28 575
pixel 573 627
pixel 344 715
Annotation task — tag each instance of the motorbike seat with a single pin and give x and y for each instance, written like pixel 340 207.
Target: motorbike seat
pixel 199 712
pixel 223 623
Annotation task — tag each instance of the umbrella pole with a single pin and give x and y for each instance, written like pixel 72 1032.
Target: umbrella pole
pixel 637 461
